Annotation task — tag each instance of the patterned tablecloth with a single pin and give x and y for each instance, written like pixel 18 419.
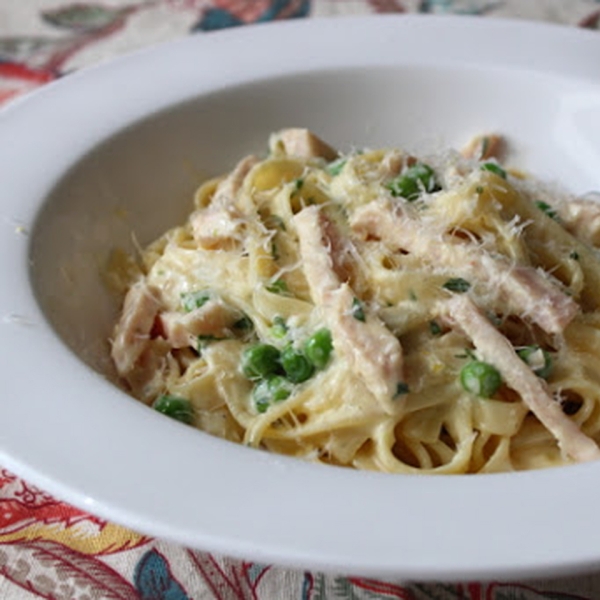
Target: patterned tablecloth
pixel 49 549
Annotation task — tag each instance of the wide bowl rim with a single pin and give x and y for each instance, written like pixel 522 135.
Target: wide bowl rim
pixel 334 519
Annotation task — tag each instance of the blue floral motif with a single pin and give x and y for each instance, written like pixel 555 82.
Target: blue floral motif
pixel 219 18
pixel 278 6
pixel 154 581
pixel 450 6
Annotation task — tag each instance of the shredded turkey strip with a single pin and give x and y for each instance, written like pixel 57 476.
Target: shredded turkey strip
pixel 132 334
pixel 524 288
pixel 495 349
pixel 373 350
pixel 305 144
pixel 228 189
pixel 581 217
pixel 214 318
pixel 484 147
pixel 220 223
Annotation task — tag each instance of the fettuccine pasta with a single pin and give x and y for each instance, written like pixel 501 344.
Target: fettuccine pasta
pixel 374 310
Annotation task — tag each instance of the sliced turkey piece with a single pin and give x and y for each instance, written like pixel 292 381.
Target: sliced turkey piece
pixel 525 289
pixel 132 333
pixel 374 352
pixel 495 349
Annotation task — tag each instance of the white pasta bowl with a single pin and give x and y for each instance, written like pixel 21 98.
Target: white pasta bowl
pixel 115 152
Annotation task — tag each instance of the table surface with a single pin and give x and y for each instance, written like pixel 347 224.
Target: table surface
pixel 49 549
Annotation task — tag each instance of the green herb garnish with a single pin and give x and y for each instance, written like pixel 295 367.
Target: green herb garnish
pixel 244 323
pixel 458 285
pixel 413 182
pixel 547 209
pixel 335 168
pixel 275 221
pixel 279 286
pixel 538 359
pixel 274 388
pixel 402 389
pixel 357 310
pixel 435 328
pixel 494 168
pixel 193 300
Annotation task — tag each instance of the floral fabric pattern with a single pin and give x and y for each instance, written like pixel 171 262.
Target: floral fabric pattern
pixel 49 549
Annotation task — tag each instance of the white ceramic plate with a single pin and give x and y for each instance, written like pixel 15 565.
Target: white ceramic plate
pixel 120 148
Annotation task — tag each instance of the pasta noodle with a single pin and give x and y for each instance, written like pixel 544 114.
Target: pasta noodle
pixel 374 310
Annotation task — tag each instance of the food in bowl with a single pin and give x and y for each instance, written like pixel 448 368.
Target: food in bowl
pixel 374 310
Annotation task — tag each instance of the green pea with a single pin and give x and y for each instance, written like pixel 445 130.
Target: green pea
pixel 274 388
pixel 318 348
pixel 296 366
pixel 260 360
pixel 538 359
pixel 179 409
pixel 494 168
pixel 480 378
pixel 413 182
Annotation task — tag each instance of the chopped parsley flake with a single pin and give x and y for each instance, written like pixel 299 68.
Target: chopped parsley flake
pixel 546 208
pixel 494 168
pixel 202 341
pixel 402 389
pixel 538 359
pixel 413 182
pixel 357 310
pixel 244 323
pixel 275 221
pixel 279 286
pixel 193 300
pixel 435 328
pixel 335 168
pixel 458 285
pixel 485 144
